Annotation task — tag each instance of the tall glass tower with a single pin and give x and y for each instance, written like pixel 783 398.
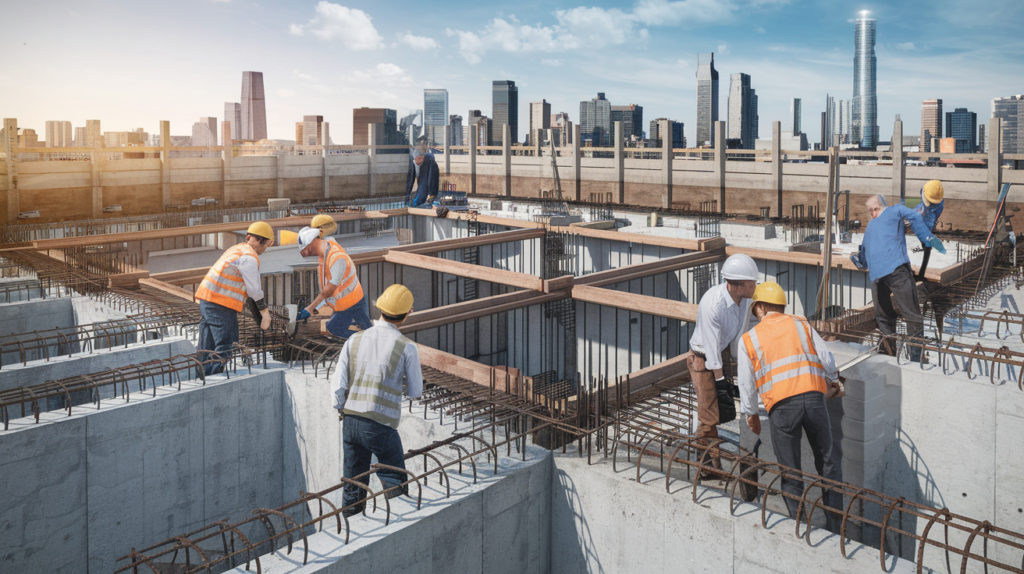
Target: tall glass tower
pixel 864 127
pixel 707 100
pixel 505 110
pixel 435 114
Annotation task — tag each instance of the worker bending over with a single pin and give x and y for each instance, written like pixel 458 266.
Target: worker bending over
pixel 930 208
pixel 785 362
pixel 885 255
pixel 367 389
pixel 222 294
pixel 720 317
pixel 339 284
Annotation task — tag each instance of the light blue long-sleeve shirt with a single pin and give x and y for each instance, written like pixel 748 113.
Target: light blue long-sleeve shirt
pixel 885 241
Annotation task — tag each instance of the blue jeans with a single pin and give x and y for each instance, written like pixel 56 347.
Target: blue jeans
pixel 340 320
pixel 218 331
pixel 362 438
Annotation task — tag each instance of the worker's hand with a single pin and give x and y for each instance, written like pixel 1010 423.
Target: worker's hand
pixel 754 424
pixel 341 415
pixel 265 323
pixel 303 315
pixel 935 244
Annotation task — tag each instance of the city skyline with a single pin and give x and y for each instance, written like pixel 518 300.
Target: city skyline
pixel 795 48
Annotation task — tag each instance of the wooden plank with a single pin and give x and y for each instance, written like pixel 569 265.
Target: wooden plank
pixel 674 242
pixel 639 270
pixel 432 247
pixel 482 307
pixel 465 270
pixel 454 365
pixel 167 288
pixel 559 283
pixel 182 276
pixel 711 243
pixel 639 303
pixel 671 369
pixel 126 280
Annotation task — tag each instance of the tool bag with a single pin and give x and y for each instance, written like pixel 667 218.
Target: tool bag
pixel 726 405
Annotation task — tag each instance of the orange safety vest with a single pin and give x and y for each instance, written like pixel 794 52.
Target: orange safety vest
pixel 349 291
pixel 789 365
pixel 223 283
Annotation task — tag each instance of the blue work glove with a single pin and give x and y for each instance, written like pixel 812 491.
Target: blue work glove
pixel 858 259
pixel 935 244
pixel 303 315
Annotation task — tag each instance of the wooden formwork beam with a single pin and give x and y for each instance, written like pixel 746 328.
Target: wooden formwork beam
pixel 479 272
pixel 639 303
pixel 639 270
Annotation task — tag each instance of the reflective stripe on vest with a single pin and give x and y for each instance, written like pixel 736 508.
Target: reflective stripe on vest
pixel 223 283
pixel 349 291
pixel 790 365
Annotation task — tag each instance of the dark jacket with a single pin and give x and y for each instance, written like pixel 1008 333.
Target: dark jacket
pixel 426 185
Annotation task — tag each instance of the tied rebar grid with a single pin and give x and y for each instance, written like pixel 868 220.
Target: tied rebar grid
pixel 224 545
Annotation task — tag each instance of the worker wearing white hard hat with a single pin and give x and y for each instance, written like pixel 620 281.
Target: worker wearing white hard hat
pixel 721 316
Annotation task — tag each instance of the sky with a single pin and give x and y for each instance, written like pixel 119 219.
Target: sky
pixel 132 64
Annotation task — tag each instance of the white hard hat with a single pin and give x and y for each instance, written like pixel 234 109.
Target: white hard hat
pixel 306 236
pixel 740 267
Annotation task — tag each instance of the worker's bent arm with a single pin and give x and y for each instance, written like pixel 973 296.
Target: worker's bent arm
pixel 827 359
pixel 249 268
pixel 712 330
pixel 339 383
pixel 413 373
pixel 916 222
pixel 745 380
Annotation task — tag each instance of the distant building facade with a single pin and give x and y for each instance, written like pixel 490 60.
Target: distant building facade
pixel 80 137
pixel 204 132
pixel 435 114
pixel 504 110
pixel 931 122
pixel 632 118
pixel 233 115
pixel 796 111
pixel 740 126
pixel 707 100
pixel 596 121
pixel 678 135
pixel 864 122
pixel 58 134
pixel 962 126
pixel 561 129
pixel 253 107
pixel 455 127
pixel 93 135
pixel 385 121
pixel 540 120
pixel 1010 110
pixel 483 124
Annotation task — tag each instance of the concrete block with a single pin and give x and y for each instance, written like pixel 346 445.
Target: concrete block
pixel 865 431
pixel 864 409
pixel 866 388
pixel 1009 502
pixel 864 451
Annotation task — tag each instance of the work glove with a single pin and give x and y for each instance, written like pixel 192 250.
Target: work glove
pixel 303 315
pixel 726 405
pixel 935 244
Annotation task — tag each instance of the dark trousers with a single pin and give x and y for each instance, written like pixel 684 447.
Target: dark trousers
pixel 362 438
pixel 218 331
pixel 788 417
pixel 899 285
pixel 340 321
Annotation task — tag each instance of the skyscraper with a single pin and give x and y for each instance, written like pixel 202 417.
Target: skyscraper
pixel 844 119
pixel 58 134
pixel 254 107
pixel 596 121
pixel 754 121
pixel 80 137
pixel 561 123
pixel 827 139
pixel 93 135
pixel 931 123
pixel 982 144
pixel 540 119
pixel 864 124
pixel 233 115
pixel 797 113
pixel 435 114
pixel 504 110
pixel 632 118
pixel 962 126
pixel 204 132
pixel 740 112
pixel 455 123
pixel 385 120
pixel 1011 111
pixel 707 101
pixel 678 137
pixel 476 118
pixel 312 131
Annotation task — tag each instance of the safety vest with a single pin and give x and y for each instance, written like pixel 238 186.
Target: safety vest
pixel 788 365
pixel 223 283
pixel 349 291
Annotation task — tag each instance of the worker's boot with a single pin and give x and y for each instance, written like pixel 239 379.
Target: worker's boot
pixel 357 509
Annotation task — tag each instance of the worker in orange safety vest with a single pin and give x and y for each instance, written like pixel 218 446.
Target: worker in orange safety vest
pixel 786 363
pixel 339 284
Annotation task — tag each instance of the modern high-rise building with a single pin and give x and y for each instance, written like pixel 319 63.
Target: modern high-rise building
pixel 827 139
pixel 233 115
pixel 540 120
pixel 411 127
pixel 1010 110
pixel 632 118
pixel 476 118
pixel 385 120
pixel 204 132
pixel 254 107
pixel 844 119
pixel 596 121
pixel 435 115
pixel 58 134
pixel 678 136
pixel 754 121
pixel 504 110
pixel 80 137
pixel 310 131
pixel 707 100
pixel 962 126
pixel 796 111
pixel 864 124
pixel 931 123
pixel 93 135
pixel 561 123
pixel 982 143
pixel 740 112
pixel 455 125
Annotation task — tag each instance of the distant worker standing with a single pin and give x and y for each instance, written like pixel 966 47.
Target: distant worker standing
pixel 222 294
pixel 720 317
pixel 785 362
pixel 339 284
pixel 885 255
pixel 367 389
pixel 931 206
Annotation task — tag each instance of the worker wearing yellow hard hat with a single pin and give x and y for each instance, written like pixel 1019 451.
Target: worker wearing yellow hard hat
pixel 932 203
pixel 367 388
pixel 785 362
pixel 222 294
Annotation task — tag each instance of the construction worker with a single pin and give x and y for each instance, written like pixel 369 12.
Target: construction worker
pixel 339 284
pixel 367 390
pixel 326 224
pixel 721 315
pixel 785 362
pixel 930 208
pixel 885 255
pixel 222 294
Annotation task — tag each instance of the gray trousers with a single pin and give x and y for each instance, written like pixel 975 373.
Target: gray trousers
pixel 806 412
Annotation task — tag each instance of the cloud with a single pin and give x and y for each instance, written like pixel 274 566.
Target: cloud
pixel 470 45
pixel 906 46
pixel 551 62
pixel 302 76
pixel 665 13
pixel 723 49
pixel 383 74
pixel 759 30
pixel 351 26
pixel 285 93
pixel 418 42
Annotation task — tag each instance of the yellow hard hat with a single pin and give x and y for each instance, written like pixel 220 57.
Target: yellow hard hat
pixel 325 223
pixel 261 229
pixel 395 300
pixel 932 192
pixel 769 292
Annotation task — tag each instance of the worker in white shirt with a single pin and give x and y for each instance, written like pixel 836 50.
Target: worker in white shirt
pixel 721 316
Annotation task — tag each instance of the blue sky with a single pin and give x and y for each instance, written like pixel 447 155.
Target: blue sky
pixel 132 64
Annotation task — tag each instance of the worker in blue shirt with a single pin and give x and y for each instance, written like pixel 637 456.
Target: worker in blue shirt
pixel 885 255
pixel 930 208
